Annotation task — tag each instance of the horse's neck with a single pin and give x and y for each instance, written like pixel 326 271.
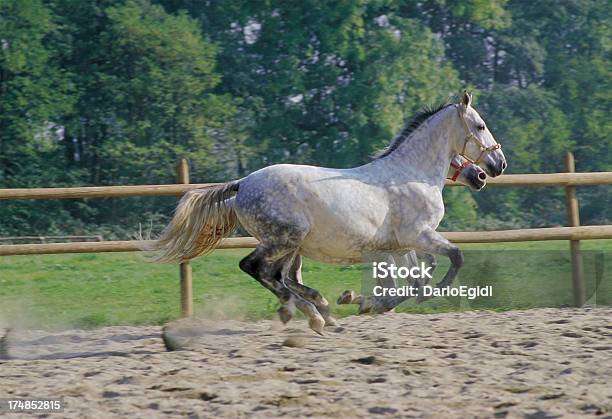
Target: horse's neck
pixel 423 157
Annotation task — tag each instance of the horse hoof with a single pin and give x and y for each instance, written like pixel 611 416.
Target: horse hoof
pixel 381 310
pixel 284 314
pixel 366 306
pixel 374 306
pixel 347 297
pixel 371 305
pixel 317 324
pixel 330 321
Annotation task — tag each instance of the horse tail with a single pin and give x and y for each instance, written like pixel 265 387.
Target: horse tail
pixel 201 220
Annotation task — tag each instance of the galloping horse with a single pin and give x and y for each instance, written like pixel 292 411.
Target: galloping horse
pixel 394 204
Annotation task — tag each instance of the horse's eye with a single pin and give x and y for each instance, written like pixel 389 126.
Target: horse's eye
pixel 481 127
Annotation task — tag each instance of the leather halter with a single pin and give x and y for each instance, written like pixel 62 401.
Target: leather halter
pixel 458 169
pixel 471 137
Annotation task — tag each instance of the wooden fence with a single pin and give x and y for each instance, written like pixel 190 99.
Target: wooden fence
pixel 574 233
pixel 50 239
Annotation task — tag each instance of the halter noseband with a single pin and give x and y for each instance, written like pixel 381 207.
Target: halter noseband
pixel 471 137
pixel 458 169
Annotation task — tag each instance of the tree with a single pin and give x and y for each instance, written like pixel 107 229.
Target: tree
pixel 33 90
pixel 34 94
pixel 145 79
pixel 325 82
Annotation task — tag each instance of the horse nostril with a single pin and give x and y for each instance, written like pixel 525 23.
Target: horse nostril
pixel 503 166
pixel 482 176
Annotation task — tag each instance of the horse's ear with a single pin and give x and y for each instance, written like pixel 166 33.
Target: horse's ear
pixel 466 99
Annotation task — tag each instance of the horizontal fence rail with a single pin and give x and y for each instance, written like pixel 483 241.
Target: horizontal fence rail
pixel 524 180
pixel 531 234
pixel 550 179
pixel 100 191
pixel 44 239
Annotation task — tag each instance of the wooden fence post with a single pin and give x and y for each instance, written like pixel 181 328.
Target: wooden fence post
pixel 182 175
pixel 573 215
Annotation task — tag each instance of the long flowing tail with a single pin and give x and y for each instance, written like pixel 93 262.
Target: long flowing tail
pixel 201 220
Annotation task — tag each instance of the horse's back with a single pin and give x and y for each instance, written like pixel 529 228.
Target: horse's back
pixel 327 206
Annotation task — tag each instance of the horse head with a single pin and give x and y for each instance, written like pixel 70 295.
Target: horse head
pixel 476 143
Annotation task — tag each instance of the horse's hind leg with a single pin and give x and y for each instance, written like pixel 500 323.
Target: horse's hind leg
pixel 254 265
pixel 309 301
pixel 296 270
pixel 270 268
pixel 295 284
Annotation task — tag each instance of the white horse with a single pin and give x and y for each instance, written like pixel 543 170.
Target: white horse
pixel 391 204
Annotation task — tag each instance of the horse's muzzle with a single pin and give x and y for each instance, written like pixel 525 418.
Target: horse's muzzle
pixel 477 179
pixel 496 167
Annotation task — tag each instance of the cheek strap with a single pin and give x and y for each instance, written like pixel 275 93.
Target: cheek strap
pixel 458 169
pixel 471 137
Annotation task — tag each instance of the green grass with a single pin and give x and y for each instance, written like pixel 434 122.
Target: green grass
pixel 93 290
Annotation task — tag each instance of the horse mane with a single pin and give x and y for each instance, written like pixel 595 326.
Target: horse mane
pixel 409 127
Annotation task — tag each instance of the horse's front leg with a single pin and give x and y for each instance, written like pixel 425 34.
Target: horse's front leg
pixel 431 241
pixel 374 304
pixel 430 260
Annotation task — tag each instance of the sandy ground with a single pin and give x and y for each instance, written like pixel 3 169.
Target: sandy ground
pixel 541 363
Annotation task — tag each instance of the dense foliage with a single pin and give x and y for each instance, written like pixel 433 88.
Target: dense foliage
pixel 110 92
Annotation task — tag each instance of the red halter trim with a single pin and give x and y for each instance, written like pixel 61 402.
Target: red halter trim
pixel 458 169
